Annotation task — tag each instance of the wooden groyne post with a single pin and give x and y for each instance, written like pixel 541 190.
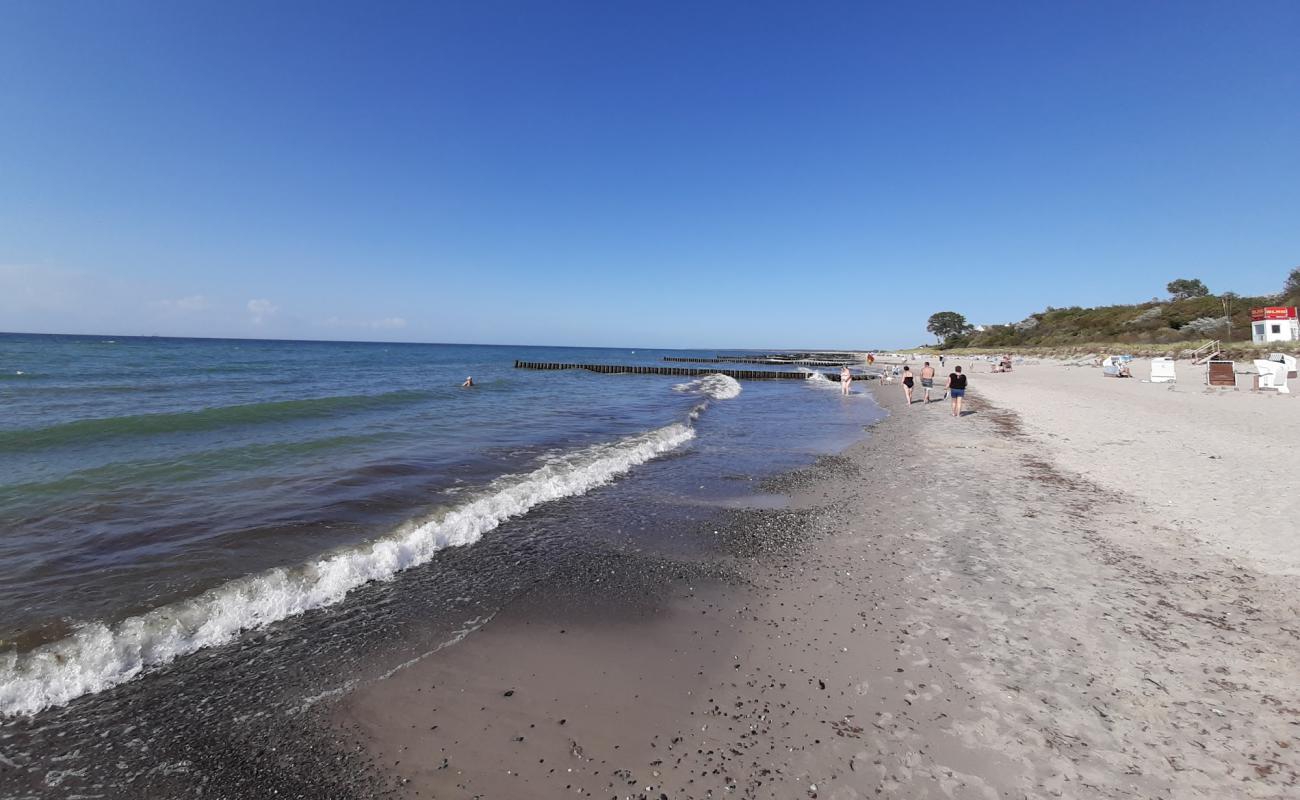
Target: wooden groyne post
pixel 694 372
pixel 771 362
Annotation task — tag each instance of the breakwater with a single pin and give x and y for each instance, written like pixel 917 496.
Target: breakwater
pixel 738 374
pixel 772 362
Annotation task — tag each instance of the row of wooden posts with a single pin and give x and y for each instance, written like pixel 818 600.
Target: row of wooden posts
pixel 738 374
pixel 768 361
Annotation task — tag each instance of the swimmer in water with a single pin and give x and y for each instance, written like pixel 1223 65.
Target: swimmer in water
pixel 846 380
pixel 469 381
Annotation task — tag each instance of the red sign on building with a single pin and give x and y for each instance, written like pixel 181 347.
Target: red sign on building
pixel 1273 312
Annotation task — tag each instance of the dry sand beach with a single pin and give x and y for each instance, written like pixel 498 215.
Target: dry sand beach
pixel 1084 588
pixel 1219 464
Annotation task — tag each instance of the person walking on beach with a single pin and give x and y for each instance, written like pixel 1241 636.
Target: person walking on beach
pixel 907 384
pixel 927 380
pixel 957 389
pixel 846 380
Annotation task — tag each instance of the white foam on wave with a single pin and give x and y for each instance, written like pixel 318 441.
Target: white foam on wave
pixel 717 386
pixel 100 656
pixel 818 379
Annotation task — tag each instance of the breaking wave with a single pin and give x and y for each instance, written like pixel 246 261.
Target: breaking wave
pixel 100 656
pixel 717 386
pixel 818 379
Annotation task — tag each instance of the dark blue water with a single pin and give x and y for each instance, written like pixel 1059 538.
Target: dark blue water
pixel 160 496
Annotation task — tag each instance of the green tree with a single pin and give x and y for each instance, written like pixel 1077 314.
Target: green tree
pixel 947 325
pixel 1183 288
pixel 1292 285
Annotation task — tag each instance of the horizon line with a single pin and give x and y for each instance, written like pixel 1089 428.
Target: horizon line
pixel 450 344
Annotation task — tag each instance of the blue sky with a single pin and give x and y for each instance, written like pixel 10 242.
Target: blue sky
pixel 705 174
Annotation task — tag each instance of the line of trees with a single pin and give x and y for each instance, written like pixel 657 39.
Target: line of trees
pixel 952 329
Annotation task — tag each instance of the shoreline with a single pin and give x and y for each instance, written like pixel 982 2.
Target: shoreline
pixel 920 628
pixel 1019 603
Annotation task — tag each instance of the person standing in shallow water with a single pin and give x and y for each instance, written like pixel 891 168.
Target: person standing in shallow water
pixel 846 380
pixel 907 384
pixel 927 380
pixel 957 389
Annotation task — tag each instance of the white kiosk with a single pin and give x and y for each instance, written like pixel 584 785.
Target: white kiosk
pixel 1274 324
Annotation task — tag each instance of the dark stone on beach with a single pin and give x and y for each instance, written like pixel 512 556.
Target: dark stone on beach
pixel 510 693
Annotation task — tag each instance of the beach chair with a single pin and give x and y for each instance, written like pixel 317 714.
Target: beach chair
pixel 1162 370
pixel 1272 375
pixel 1288 361
pixel 1221 373
pixel 1114 368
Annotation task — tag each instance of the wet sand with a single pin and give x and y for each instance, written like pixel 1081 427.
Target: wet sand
pixel 951 608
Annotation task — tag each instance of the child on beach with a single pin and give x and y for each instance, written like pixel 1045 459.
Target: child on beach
pixel 957 388
pixel 907 384
pixel 846 380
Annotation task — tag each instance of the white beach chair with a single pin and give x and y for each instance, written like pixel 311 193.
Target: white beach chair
pixel 1289 361
pixel 1114 367
pixel 1162 370
pixel 1272 375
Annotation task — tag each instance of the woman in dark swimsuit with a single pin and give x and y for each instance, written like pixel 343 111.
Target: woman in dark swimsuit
pixel 907 384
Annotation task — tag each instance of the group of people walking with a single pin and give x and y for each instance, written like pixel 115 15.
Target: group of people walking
pixel 956 388
pixel 956 385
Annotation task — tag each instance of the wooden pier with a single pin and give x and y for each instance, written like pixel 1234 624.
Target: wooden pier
pixel 694 372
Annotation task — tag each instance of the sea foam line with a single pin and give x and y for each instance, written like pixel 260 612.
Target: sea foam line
pixel 99 656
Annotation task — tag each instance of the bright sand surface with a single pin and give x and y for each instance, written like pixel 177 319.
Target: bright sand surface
pixel 1066 593
pixel 1222 465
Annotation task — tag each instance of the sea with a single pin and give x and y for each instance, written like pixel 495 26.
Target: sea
pixel 211 529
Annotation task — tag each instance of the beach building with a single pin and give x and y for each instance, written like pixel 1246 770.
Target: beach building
pixel 1274 324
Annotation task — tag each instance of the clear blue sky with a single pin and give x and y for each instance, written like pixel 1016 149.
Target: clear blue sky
pixel 707 174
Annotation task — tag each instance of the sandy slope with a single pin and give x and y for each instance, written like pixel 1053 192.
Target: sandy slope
pixel 955 608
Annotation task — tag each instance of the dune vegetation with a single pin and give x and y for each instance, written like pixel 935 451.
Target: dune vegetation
pixel 1190 317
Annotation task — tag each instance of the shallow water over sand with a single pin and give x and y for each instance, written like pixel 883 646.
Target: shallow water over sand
pixel 188 523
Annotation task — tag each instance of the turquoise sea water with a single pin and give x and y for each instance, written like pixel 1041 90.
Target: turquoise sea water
pixel 162 496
